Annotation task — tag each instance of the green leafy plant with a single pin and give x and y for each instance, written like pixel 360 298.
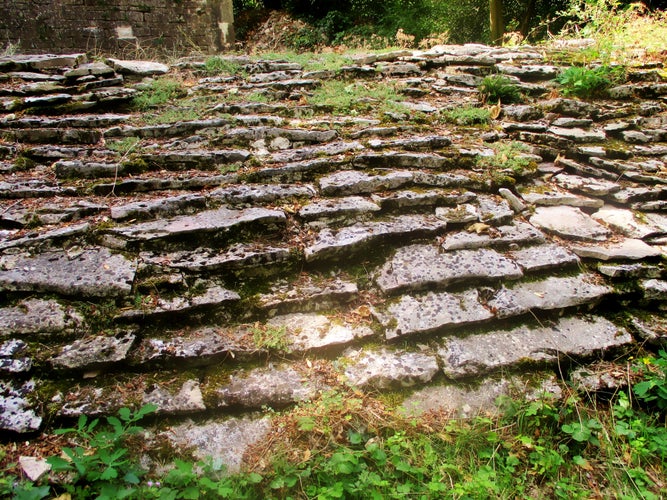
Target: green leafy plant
pixel 499 88
pixel 509 158
pixel 653 389
pixel 587 82
pixel 100 460
pixel 273 338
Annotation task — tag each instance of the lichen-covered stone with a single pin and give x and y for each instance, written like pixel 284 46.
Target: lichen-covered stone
pixel 307 293
pixel 164 207
pixel 418 267
pixel 543 257
pixel 353 182
pixel 261 193
pixel 18 413
pixel 411 315
pixel 477 355
pixel 383 369
pixel 520 233
pixel 331 244
pixel 188 399
pixel 93 272
pixel 551 293
pixel 37 316
pixel 94 353
pixel 274 387
pixel 338 210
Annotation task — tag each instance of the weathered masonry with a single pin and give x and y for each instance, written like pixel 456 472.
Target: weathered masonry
pixel 116 25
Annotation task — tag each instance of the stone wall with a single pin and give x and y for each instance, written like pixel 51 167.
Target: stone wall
pixel 119 26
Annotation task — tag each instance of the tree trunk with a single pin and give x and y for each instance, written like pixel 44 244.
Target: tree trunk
pixel 496 20
pixel 528 15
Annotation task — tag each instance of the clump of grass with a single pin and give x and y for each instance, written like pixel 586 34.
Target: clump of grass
pixel 586 82
pixel 311 61
pixel 509 157
pixel 468 115
pixel 159 92
pixel 499 88
pixel 352 98
pixel 172 115
pixel 124 146
pixel 217 65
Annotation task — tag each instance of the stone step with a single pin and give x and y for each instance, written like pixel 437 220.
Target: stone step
pixel 220 226
pixel 567 338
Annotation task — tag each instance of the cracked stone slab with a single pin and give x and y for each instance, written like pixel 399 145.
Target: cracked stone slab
pixel 92 272
pixel 570 223
pixel 305 332
pixel 38 316
pixel 627 249
pixel 521 233
pixel 188 399
pixel 431 312
pixel 419 267
pixel 307 293
pixel 239 256
pixel 632 224
pixel 558 197
pixel 212 297
pixel 551 293
pixel 274 387
pixel 332 244
pixel 211 224
pixel 261 193
pixel 165 207
pixel 588 185
pixel 477 355
pixel 195 347
pixel 383 369
pixel 352 182
pixel 94 353
pixel 224 441
pixel 544 257
pixel 17 414
pixel 338 210
pixel 422 198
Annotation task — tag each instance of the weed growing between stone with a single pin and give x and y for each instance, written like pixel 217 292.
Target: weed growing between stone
pixel 159 92
pixel 499 88
pixel 342 97
pixel 348 444
pixel 468 116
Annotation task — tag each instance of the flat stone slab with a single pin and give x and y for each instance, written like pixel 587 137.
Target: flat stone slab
pixel 338 210
pixel 306 332
pixel 551 293
pixel 239 256
pixel 307 293
pixel 543 257
pixel 221 440
pixel 520 233
pixel 88 272
pixel 210 224
pixel 401 160
pixel 188 399
pixel 570 223
pixel 17 413
pixel 94 353
pixel 635 270
pixel 628 249
pixel 579 134
pixel 274 387
pixel 261 193
pixel 138 68
pixel 165 207
pixel 419 267
pixel 353 182
pixel 423 198
pixel 213 296
pixel 477 355
pixel 629 223
pixel 558 197
pixel 37 316
pixel 431 312
pixel 384 369
pixel 588 185
pixel 654 289
pixel 332 244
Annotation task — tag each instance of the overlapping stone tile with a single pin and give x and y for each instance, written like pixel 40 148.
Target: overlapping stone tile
pixel 419 267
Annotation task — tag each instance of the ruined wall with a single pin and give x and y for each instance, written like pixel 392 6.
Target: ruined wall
pixel 120 26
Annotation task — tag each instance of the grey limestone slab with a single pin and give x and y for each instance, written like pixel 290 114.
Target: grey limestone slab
pixel 570 223
pixel 520 233
pixel 384 369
